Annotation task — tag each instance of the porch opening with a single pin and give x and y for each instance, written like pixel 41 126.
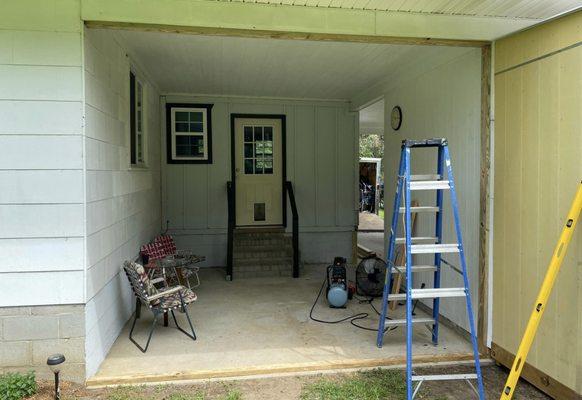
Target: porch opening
pixel 250 195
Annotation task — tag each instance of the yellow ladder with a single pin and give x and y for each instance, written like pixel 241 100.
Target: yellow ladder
pixel 544 294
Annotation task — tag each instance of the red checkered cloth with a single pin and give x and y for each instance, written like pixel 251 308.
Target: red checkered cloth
pixel 167 244
pixel 154 251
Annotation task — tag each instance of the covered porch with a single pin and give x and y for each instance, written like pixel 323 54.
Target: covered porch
pixel 195 89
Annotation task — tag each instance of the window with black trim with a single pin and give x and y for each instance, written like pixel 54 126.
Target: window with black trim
pixel 189 133
pixel 136 124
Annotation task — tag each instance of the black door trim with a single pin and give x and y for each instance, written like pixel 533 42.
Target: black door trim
pixel 283 119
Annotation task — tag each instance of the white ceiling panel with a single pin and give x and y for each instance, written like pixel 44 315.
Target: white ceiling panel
pixel 182 63
pixel 530 9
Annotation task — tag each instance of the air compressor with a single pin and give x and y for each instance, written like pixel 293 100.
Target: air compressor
pixel 337 283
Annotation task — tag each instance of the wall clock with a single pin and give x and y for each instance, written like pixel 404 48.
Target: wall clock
pixel 396 118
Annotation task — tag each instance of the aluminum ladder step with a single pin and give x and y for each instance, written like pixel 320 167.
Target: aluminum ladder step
pixel 434 248
pixel 399 322
pixel 401 269
pixel 417 239
pixel 429 185
pixel 438 293
pixel 420 209
pixel 451 377
pixel 429 293
pixel 432 177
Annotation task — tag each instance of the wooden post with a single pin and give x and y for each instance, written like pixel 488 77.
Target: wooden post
pixel 484 196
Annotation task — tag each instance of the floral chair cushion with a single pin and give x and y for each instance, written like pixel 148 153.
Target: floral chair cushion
pixel 172 301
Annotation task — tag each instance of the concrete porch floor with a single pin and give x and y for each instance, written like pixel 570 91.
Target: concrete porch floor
pixel 261 326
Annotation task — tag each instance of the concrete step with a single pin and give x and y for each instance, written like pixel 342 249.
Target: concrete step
pixel 262 274
pixel 253 262
pixel 263 247
pixel 263 255
pixel 263 241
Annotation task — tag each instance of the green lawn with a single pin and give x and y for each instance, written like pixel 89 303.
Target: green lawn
pixel 381 213
pixel 377 384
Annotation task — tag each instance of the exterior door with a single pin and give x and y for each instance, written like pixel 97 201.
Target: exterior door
pixel 258 171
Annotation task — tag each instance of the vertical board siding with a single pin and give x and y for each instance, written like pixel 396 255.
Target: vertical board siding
pixel 443 102
pixel 325 158
pixel 123 203
pixel 538 139
pixel 304 161
pixel 41 168
pixel 320 159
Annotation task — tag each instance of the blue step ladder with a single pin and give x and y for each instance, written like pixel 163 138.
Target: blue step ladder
pixel 408 183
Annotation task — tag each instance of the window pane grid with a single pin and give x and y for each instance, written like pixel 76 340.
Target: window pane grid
pixel 189 131
pixel 258 150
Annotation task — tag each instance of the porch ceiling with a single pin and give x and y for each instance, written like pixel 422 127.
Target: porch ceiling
pixel 531 9
pixel 182 63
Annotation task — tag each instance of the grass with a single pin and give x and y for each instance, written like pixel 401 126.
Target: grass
pixel 367 385
pixel 167 392
pixel 375 384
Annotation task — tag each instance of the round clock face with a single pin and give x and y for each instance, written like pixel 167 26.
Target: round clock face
pixel 396 118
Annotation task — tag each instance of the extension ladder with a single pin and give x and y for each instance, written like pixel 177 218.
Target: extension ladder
pixel 406 184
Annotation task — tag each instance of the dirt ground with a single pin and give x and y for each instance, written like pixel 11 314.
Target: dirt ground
pixel 284 388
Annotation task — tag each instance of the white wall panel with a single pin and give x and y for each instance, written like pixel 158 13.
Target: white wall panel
pixel 55 254
pixel 443 102
pixel 38 221
pixel 39 82
pixel 123 202
pixel 39 186
pixel 320 139
pixel 41 177
pixel 41 152
pixel 45 48
pixel 49 15
pixel 40 117
pixel 36 288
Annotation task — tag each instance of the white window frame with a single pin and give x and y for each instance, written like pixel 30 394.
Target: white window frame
pixel 139 162
pixel 204 134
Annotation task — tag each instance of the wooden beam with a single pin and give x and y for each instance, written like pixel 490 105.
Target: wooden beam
pixel 100 381
pixel 484 212
pixel 283 35
pixel 534 376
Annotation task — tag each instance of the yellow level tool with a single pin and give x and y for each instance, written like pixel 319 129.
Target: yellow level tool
pixel 543 295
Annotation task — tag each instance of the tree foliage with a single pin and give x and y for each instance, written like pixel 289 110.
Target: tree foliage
pixel 371 146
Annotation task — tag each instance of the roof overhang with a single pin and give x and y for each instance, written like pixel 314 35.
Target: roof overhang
pixel 302 23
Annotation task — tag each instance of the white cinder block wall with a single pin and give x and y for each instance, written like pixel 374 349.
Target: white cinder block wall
pixel 321 163
pixel 444 101
pixel 123 203
pixel 41 186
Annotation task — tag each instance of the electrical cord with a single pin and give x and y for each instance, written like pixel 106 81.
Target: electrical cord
pixel 352 318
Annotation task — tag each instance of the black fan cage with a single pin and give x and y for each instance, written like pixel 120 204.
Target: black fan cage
pixel 370 276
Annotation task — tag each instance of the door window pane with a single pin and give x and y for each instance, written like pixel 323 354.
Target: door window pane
pixel 248 133
pixel 258 149
pixel 258 166
pixel 249 166
pixel 249 150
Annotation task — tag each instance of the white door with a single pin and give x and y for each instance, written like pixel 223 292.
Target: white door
pixel 258 171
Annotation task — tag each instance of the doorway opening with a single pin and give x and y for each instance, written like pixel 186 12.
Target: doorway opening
pixel 371 180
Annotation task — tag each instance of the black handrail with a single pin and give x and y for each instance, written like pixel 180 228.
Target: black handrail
pixel 289 190
pixel 231 223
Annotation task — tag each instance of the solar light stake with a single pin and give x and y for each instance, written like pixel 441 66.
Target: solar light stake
pixel 54 362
